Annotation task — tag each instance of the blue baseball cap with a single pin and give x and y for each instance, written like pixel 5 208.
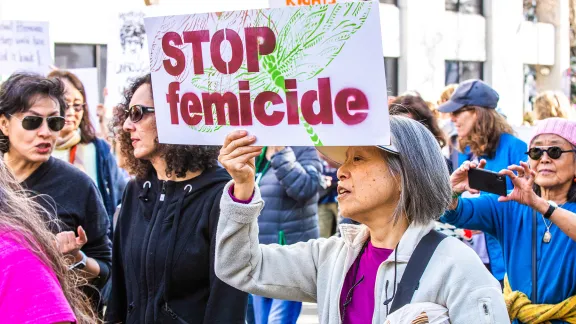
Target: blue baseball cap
pixel 471 93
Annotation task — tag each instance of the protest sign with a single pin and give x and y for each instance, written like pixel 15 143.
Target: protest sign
pixel 292 3
pixel 311 75
pixel 24 46
pixel 127 54
pixel 89 78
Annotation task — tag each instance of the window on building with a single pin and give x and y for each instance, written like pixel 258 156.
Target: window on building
pixel 465 6
pixel 458 71
pixel 530 91
pixel 391 67
pixel 392 2
pixel 80 56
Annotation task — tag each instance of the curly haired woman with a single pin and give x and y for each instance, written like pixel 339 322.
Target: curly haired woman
pixel 163 260
pixel 35 283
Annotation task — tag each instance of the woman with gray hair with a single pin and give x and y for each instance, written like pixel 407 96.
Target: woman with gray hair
pixel 375 269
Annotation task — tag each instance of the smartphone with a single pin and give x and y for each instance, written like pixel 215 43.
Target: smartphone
pixel 487 181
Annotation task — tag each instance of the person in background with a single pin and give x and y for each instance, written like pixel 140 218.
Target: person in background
pixel 396 192
pixel 550 104
pixel 31 117
pixel 35 283
pixel 79 145
pixel 483 134
pixel 163 266
pixel 328 216
pixel 416 108
pixel 289 179
pixel 535 224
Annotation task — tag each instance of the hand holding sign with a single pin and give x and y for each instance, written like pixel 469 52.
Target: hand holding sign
pixel 238 158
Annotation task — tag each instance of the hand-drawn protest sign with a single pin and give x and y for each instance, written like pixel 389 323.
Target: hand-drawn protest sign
pixel 127 54
pixel 310 75
pixel 292 3
pixel 24 46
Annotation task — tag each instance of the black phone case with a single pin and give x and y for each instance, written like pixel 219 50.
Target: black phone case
pixel 487 181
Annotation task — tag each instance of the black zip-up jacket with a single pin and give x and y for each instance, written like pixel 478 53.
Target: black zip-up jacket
pixel 163 254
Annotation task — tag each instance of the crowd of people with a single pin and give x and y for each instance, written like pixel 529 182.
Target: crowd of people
pixel 129 230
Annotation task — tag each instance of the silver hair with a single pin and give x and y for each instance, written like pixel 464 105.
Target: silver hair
pixel 426 191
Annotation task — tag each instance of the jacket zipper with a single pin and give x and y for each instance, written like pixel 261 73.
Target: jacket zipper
pixel 163 191
pixel 173 315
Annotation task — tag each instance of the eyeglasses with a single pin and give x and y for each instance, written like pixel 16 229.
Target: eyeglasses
pixel 554 152
pixel 55 123
pixel 77 107
pixel 136 112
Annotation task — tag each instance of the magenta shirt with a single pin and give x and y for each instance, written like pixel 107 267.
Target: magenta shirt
pixel 29 291
pixel 361 308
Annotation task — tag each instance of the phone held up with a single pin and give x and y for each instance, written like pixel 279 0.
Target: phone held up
pixel 487 181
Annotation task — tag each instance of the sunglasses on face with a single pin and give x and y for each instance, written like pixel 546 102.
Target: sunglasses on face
pixel 554 152
pixel 55 123
pixel 77 107
pixel 136 112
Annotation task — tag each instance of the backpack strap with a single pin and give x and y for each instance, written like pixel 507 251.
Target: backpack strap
pixel 415 268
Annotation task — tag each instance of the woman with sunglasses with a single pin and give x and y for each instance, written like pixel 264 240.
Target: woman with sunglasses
pixel 163 266
pixel 540 212
pixel 31 109
pixel 78 144
pixel 396 192
pixel 482 133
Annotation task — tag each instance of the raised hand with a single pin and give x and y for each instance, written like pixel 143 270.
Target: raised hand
pixel 69 244
pixel 238 158
pixel 459 179
pixel 523 181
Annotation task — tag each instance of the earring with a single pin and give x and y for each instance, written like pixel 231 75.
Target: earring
pixel 574 179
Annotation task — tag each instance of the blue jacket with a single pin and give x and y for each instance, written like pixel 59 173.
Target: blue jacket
pixel 290 191
pixel 510 150
pixel 111 182
pixel 511 224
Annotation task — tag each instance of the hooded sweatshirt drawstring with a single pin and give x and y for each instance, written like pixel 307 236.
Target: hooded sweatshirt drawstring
pixel 146 190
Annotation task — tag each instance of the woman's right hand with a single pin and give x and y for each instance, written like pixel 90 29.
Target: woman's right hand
pixel 238 158
pixel 459 179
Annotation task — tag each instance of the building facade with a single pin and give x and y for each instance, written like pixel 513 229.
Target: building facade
pixel 427 43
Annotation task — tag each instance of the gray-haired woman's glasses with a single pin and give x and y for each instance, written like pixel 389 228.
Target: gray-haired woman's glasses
pixel 554 152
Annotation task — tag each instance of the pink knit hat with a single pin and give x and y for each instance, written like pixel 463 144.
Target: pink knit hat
pixel 558 126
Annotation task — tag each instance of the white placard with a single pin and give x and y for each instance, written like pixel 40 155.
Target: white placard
pixel 127 54
pixel 24 46
pixel 311 75
pixel 89 78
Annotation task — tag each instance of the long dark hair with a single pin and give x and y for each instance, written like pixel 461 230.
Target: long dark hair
pixel 87 131
pixel 18 93
pixel 418 110
pixel 179 158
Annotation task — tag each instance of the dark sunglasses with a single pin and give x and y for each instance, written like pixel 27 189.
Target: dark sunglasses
pixel 554 152
pixel 77 107
pixel 136 112
pixel 55 123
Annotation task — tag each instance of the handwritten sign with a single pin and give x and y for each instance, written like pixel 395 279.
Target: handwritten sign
pixel 311 75
pixel 127 55
pixel 24 46
pixel 292 3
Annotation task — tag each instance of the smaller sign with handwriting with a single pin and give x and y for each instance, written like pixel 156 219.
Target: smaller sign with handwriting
pixel 24 46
